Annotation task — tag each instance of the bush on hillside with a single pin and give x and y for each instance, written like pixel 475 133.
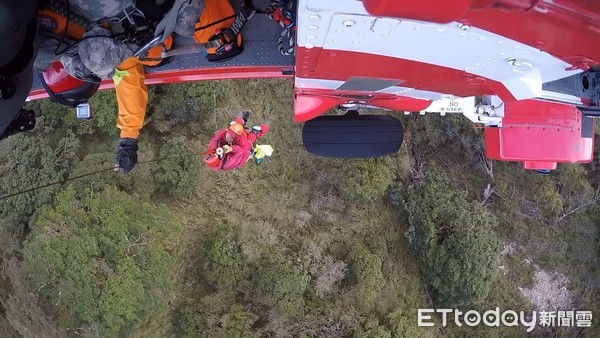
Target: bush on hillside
pixel 281 282
pixel 370 327
pixel 177 171
pixel 215 315
pixel 366 179
pixel 180 103
pixel 27 162
pixel 454 240
pixel 105 108
pixel 100 260
pixel 224 266
pixel 366 267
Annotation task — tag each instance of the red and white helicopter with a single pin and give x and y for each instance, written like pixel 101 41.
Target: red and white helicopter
pixel 525 70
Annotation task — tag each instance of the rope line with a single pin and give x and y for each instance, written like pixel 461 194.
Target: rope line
pixel 83 175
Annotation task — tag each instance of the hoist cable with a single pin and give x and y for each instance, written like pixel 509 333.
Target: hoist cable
pixel 83 175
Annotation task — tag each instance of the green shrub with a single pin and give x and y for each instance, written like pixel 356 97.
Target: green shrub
pixel 452 134
pixel 366 179
pixel 282 283
pixel 106 111
pixel 52 114
pixel 139 181
pixel 214 316
pixel 180 103
pixel 548 199
pixel 177 172
pixel 402 324
pixel 366 267
pixel 369 327
pixel 27 162
pixel 454 240
pixel 224 267
pixel 100 260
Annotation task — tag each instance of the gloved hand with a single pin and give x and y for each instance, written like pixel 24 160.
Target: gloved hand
pixel 126 155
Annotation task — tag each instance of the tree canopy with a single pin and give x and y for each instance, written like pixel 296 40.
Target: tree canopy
pixel 281 282
pixel 299 246
pixel 454 240
pixel 177 173
pixel 366 179
pixel 101 259
pixel 224 265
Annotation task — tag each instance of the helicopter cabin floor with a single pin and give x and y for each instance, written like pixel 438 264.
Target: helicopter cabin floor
pixel 260 59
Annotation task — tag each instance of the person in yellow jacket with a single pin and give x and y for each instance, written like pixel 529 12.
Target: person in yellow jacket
pixel 132 99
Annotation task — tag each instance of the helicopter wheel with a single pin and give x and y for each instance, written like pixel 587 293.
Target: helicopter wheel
pixel 353 136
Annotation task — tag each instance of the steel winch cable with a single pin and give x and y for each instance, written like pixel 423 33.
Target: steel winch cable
pixel 71 178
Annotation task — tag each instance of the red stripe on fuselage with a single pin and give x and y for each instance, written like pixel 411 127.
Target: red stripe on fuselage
pixel 566 29
pixel 318 63
pixel 157 76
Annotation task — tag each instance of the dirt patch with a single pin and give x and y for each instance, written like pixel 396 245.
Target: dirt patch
pixel 550 292
pixel 509 250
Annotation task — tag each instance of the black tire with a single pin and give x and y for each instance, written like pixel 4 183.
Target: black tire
pixel 361 136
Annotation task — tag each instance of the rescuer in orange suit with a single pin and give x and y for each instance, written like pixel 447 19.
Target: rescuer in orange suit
pixel 132 99
pixel 132 95
pixel 231 147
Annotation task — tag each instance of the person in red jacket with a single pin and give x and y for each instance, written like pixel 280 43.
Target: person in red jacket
pixel 231 147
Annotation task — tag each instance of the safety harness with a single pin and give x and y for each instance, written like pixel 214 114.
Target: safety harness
pixel 283 12
pixel 230 34
pixel 221 43
pixel 259 152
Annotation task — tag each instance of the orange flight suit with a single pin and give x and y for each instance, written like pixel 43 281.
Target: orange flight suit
pixel 132 97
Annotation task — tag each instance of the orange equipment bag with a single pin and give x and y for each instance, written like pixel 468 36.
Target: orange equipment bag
pixel 217 16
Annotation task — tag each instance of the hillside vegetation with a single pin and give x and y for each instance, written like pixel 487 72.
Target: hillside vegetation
pixel 298 246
